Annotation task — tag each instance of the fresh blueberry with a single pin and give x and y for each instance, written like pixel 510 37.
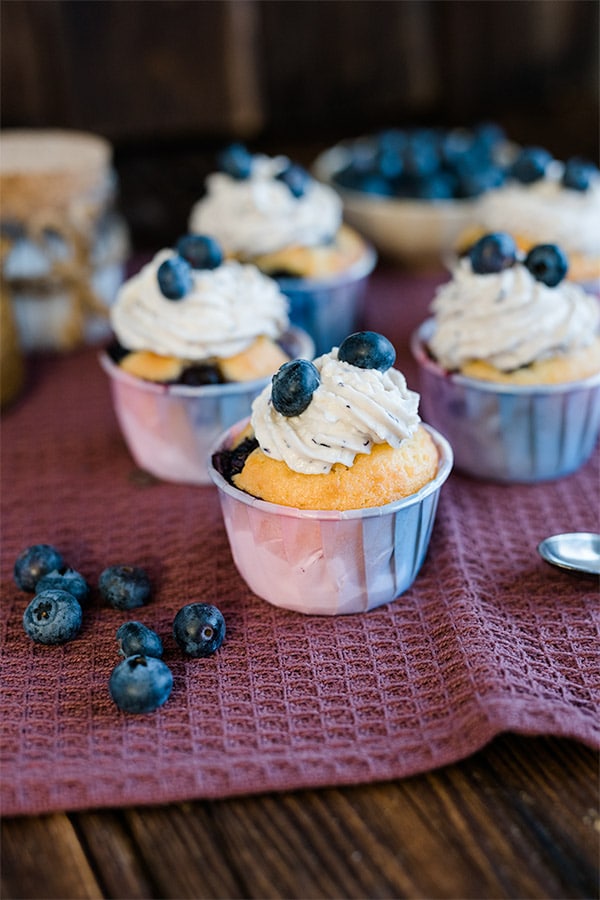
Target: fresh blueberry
pixel 547 263
pixel 136 638
pixel 439 186
pixel 200 251
pixel 531 164
pixel 199 629
pixel 293 386
pixel 493 253
pixel 296 178
pixel 236 161
pixel 140 684
pixel 578 174
pixel 32 563
pixel 367 350
pixel 420 155
pixel 474 182
pixel 65 579
pixel 200 374
pixel 52 617
pixel 174 277
pixel 124 587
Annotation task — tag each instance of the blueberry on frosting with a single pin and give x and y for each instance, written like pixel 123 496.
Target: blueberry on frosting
pixel 174 277
pixel 493 253
pixel 367 350
pixel 296 178
pixel 293 386
pixel 578 174
pixel 200 251
pixel 547 263
pixel 236 161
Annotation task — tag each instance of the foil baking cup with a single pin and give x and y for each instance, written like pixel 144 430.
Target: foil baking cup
pixel 329 562
pixel 170 428
pixel 508 433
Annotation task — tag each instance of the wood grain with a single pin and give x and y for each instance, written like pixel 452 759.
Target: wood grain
pixel 519 819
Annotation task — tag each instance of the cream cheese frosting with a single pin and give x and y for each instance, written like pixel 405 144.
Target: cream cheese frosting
pixel 547 211
pixel 260 215
pixel 351 410
pixel 224 312
pixel 509 319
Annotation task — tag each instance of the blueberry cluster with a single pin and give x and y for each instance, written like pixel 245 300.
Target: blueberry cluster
pixel 194 251
pixel 296 381
pixel 446 164
pixel 141 682
pixel 497 251
pixel 237 162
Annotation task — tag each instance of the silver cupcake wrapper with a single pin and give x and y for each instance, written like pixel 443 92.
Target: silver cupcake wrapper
pixel 170 429
pixel 329 562
pixel 509 433
pixel 329 309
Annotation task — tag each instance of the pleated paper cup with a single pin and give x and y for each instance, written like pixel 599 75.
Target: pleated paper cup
pixel 509 433
pixel 170 428
pixel 329 562
pixel 330 308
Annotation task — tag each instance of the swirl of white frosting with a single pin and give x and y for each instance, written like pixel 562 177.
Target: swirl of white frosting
pixel 351 410
pixel 509 319
pixel 546 211
pixel 260 214
pixel 224 312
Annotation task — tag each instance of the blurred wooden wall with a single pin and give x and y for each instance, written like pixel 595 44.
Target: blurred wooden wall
pixel 180 77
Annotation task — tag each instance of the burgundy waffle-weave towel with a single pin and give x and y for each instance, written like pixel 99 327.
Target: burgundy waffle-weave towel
pixel 490 638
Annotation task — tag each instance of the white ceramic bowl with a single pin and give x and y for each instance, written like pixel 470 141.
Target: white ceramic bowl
pixel 170 428
pixel 328 562
pixel 508 433
pixel 416 233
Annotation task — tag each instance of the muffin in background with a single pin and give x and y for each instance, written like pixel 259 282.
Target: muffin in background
pixel 329 492
pixel 197 338
pixel 509 363
pixel 272 213
pixel 544 200
pixel 67 244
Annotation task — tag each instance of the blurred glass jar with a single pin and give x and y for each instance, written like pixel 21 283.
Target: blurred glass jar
pixel 67 243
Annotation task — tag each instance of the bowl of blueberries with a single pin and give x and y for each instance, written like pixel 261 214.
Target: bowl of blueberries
pixel 411 191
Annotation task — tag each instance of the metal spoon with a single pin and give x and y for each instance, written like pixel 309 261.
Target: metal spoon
pixel 577 552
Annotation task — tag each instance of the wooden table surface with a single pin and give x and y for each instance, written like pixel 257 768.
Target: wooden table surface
pixel 519 819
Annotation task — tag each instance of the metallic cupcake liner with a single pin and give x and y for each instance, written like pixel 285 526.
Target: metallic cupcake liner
pixel 329 562
pixel 170 428
pixel 509 433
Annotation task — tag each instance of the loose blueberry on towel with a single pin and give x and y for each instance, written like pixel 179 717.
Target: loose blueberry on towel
pixel 199 629
pixel 140 684
pixel 65 579
pixel 235 160
pixel 493 253
pixel 174 277
pixel 136 638
pixel 293 386
pixel 52 617
pixel 296 178
pixel 33 562
pixel 124 587
pixel 200 251
pixel 547 263
pixel 531 164
pixel 578 174
pixel 367 350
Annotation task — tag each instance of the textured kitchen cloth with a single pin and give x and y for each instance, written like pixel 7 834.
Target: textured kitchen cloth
pixel 489 639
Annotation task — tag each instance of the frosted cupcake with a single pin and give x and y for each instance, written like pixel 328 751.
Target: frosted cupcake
pixel 330 491
pixel 197 338
pixel 546 201
pixel 510 363
pixel 272 213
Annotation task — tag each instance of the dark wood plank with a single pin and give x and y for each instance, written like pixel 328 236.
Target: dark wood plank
pixel 42 857
pixel 519 819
